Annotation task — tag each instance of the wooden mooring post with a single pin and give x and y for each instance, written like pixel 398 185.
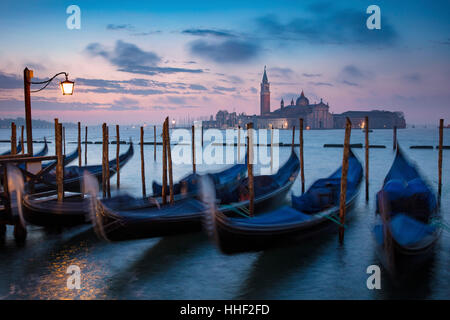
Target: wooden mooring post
pixel 271 148
pixel 394 139
pixel 117 156
pixel 64 139
pixel 342 200
pixel 202 136
pixel 441 142
pixel 21 140
pixel 154 143
pixel 142 163
pixel 108 180
pixel 302 163
pixel 251 190
pixel 193 149
pixel 104 163
pixel 85 145
pixel 293 138
pixel 164 167
pixel 13 138
pixel 59 161
pixel 239 144
pixel 169 160
pixel 79 144
pixel 366 121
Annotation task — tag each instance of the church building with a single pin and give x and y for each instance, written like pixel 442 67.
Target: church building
pixel 316 116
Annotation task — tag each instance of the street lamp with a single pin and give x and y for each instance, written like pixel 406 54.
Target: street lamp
pixel 66 86
pixel 173 123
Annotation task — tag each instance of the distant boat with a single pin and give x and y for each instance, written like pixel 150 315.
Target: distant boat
pixel 364 130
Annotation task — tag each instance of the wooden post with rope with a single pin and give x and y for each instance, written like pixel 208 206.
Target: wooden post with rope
pixel 366 122
pixel 13 139
pixel 302 163
pixel 193 149
pixel 342 200
pixel 250 168
pixel 142 163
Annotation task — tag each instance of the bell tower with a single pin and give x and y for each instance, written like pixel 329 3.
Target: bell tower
pixel 265 94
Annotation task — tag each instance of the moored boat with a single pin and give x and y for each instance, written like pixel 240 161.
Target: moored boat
pixel 408 224
pixel 114 219
pixel 311 213
pixel 43 209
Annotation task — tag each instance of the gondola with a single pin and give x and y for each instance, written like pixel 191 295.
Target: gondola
pixel 188 185
pixel 314 212
pixel 73 175
pixel 43 209
pixel 115 221
pixel 407 223
pixel 18 150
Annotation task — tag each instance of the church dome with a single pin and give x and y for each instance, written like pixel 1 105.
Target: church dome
pixel 302 100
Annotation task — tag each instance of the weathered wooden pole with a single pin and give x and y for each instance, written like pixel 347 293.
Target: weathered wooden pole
pixel 193 149
pixel 164 167
pixel 250 168
pixel 239 144
pixel 142 163
pixel 394 139
pixel 56 130
pixel 441 142
pixel 293 138
pixel 79 144
pixel 169 160
pixel 104 164
pixel 366 120
pixel 59 161
pixel 85 146
pixel 271 147
pixel 27 76
pixel 154 143
pixel 108 180
pixel 302 167
pixel 64 139
pixel 21 140
pixel 117 156
pixel 342 200
pixel 13 138
pixel 202 136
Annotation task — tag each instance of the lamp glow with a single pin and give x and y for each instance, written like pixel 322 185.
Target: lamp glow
pixel 67 87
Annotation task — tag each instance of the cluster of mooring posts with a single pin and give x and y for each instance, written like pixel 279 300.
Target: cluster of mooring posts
pixel 33 175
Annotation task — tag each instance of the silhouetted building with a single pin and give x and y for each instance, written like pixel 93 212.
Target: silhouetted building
pixel 377 119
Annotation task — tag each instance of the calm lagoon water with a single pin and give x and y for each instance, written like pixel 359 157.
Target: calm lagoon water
pixel 190 267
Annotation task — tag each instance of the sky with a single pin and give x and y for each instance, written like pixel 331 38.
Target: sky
pixel 136 62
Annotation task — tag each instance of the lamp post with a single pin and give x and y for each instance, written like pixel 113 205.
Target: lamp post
pixel 66 88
